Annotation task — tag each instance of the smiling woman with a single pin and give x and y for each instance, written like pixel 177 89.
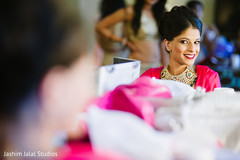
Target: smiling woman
pixel 184 49
pixel 181 30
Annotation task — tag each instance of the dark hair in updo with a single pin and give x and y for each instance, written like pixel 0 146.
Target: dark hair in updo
pixel 180 18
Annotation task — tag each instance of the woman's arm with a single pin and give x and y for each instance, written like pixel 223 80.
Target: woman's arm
pixel 103 27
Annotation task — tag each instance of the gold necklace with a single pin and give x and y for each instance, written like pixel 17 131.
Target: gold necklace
pixel 189 76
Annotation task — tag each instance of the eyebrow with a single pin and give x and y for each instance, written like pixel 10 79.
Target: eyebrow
pixel 189 39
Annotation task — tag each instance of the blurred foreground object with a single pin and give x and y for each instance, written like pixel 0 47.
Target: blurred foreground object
pixel 48 75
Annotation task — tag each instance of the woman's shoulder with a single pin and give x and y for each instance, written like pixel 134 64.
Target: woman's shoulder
pixel 153 72
pixel 205 71
pixel 126 13
pixel 129 12
pixel 202 68
pixel 207 78
pixel 157 69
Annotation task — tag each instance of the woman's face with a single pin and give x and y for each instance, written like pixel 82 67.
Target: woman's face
pixel 185 47
pixel 151 2
pixel 67 91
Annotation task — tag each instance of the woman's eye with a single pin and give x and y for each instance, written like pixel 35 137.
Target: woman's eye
pixel 183 41
pixel 197 42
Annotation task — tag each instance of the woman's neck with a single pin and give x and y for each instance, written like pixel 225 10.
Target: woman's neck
pixel 176 69
pixel 147 9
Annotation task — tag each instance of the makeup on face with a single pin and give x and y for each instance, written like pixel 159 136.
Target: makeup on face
pixel 184 48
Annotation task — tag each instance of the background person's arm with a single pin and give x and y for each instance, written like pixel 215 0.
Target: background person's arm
pixel 103 27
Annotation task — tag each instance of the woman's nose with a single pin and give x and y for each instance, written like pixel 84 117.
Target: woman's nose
pixel 191 47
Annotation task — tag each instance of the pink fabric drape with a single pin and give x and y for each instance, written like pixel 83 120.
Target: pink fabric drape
pixel 129 98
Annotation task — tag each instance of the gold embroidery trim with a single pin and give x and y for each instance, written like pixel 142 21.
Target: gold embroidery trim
pixel 189 76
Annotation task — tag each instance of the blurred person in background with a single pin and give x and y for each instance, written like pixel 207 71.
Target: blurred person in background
pixel 209 35
pixel 215 48
pixel 183 45
pixel 109 48
pixel 48 76
pixel 233 29
pixel 142 36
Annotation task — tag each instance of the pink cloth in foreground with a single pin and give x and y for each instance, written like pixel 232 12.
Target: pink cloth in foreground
pixel 129 98
pixel 206 77
pixel 82 150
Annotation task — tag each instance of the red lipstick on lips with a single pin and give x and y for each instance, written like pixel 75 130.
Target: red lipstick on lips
pixel 189 56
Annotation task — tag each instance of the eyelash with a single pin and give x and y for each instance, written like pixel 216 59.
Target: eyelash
pixel 185 42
